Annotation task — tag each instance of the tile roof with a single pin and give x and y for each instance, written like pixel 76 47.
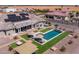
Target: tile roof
pixel 59 13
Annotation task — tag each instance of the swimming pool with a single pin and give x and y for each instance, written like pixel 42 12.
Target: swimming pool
pixel 51 34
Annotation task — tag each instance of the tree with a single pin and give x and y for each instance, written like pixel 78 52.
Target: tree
pixel 77 13
pixel 56 26
pixel 10 48
pixel 49 24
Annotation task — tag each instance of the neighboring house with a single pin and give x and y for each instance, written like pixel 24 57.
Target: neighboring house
pixel 62 17
pixel 57 15
pixel 9 10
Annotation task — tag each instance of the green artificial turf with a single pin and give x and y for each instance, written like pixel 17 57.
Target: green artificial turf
pixel 43 48
pixel 22 40
pixel 44 30
pixel 13 45
pixel 25 37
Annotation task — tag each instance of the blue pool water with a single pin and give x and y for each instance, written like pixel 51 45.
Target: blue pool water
pixel 51 34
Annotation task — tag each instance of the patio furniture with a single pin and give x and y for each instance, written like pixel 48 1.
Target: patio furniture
pixel 53 48
pixel 19 43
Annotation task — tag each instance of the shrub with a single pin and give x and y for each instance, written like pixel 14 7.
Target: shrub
pixel 62 49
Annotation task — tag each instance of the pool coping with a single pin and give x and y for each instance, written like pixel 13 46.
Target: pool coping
pixel 52 37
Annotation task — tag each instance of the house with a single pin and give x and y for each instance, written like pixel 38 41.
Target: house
pixel 9 10
pixel 57 15
pixel 13 23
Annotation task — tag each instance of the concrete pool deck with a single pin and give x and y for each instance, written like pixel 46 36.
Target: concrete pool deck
pixel 39 35
pixel 47 32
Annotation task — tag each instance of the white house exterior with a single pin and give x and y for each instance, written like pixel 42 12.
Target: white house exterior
pixel 11 28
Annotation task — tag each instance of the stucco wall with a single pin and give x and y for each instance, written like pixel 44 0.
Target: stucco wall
pixel 10 32
pixel 40 25
pixel 2 33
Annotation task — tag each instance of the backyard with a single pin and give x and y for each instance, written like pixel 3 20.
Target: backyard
pixel 46 46
pixel 43 48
